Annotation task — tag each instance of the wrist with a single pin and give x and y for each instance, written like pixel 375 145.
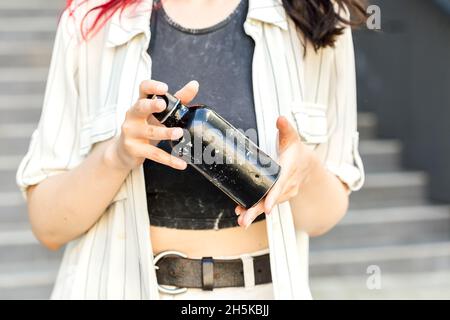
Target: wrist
pixel 112 158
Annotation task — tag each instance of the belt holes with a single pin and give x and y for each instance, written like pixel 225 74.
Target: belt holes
pixel 259 270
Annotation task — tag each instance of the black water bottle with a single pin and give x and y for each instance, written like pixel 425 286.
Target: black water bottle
pixel 220 152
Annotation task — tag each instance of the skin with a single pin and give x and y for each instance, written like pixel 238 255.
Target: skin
pixel 64 206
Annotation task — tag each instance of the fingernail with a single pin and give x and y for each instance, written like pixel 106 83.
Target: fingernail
pixel 181 164
pixel 160 104
pixel 238 211
pixel 162 87
pixel 177 133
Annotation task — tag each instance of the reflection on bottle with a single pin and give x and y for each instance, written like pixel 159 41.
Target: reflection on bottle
pixel 220 152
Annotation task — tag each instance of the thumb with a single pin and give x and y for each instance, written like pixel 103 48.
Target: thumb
pixel 286 132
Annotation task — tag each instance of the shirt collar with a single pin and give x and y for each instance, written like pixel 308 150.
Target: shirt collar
pixel 126 24
pixel 134 20
pixel 268 11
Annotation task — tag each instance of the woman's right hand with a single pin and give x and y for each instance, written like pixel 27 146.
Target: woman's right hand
pixel 141 131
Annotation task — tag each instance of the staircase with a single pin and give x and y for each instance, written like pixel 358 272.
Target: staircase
pixel 390 224
pixel 27 28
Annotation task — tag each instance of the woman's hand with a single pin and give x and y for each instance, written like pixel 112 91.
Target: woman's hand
pixel 141 131
pixel 295 161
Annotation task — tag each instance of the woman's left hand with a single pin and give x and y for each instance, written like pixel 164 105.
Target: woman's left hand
pixel 295 160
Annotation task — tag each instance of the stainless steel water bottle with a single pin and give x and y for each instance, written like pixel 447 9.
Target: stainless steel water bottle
pixel 219 151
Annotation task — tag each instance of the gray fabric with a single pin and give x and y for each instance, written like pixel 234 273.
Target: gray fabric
pixel 220 58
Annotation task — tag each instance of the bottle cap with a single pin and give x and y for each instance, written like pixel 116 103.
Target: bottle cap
pixel 171 104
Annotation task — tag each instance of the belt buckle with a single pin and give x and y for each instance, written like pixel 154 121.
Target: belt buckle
pixel 158 257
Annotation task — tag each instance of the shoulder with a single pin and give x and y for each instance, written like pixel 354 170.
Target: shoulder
pixel 78 17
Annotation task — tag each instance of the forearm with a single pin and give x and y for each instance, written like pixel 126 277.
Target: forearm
pixel 321 202
pixel 64 206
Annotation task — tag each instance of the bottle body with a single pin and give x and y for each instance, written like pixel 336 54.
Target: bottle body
pixel 221 153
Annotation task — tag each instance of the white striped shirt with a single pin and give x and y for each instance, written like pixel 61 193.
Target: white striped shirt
pixel 92 84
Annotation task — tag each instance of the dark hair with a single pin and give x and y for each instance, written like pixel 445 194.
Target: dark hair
pixel 322 21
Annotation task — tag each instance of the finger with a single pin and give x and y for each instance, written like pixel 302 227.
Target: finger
pixel 151 132
pixel 145 107
pixel 271 199
pixel 251 214
pixel 153 121
pixel 150 87
pixel 286 132
pixel 158 155
pixel 245 213
pixel 239 210
pixel 188 92
pixel 274 194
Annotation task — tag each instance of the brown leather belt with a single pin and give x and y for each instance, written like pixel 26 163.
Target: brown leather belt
pixel 208 273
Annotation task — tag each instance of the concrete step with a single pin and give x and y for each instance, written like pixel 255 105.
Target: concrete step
pixel 21 75
pixel 13 209
pixel 12 205
pixel 30 24
pixel 26 49
pixel 381 155
pixel 30 116
pixel 388 226
pixel 419 257
pixel 23 36
pixel 17 88
pixel 8 180
pixel 36 5
pixel 11 214
pixel 24 59
pixel 27 281
pixel 27 269
pixel 410 286
pixel 17 130
pixel 21 40
pixel 16 81
pixel 30 292
pixel 367 125
pixel 8 163
pixel 29 54
pixel 15 138
pixel 382 190
pixel 12 146
pixel 36 21
pixel 18 244
pixel 13 198
pixel 30 12
pixel 26 102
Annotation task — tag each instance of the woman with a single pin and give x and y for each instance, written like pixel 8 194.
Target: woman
pixel 99 175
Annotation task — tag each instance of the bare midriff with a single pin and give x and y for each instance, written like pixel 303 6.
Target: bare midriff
pixel 214 243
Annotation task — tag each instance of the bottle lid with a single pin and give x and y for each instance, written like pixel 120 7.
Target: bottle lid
pixel 171 104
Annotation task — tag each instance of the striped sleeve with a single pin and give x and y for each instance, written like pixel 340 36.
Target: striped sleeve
pixel 53 147
pixel 340 152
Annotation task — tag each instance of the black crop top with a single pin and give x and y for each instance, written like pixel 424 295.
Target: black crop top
pixel 220 58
